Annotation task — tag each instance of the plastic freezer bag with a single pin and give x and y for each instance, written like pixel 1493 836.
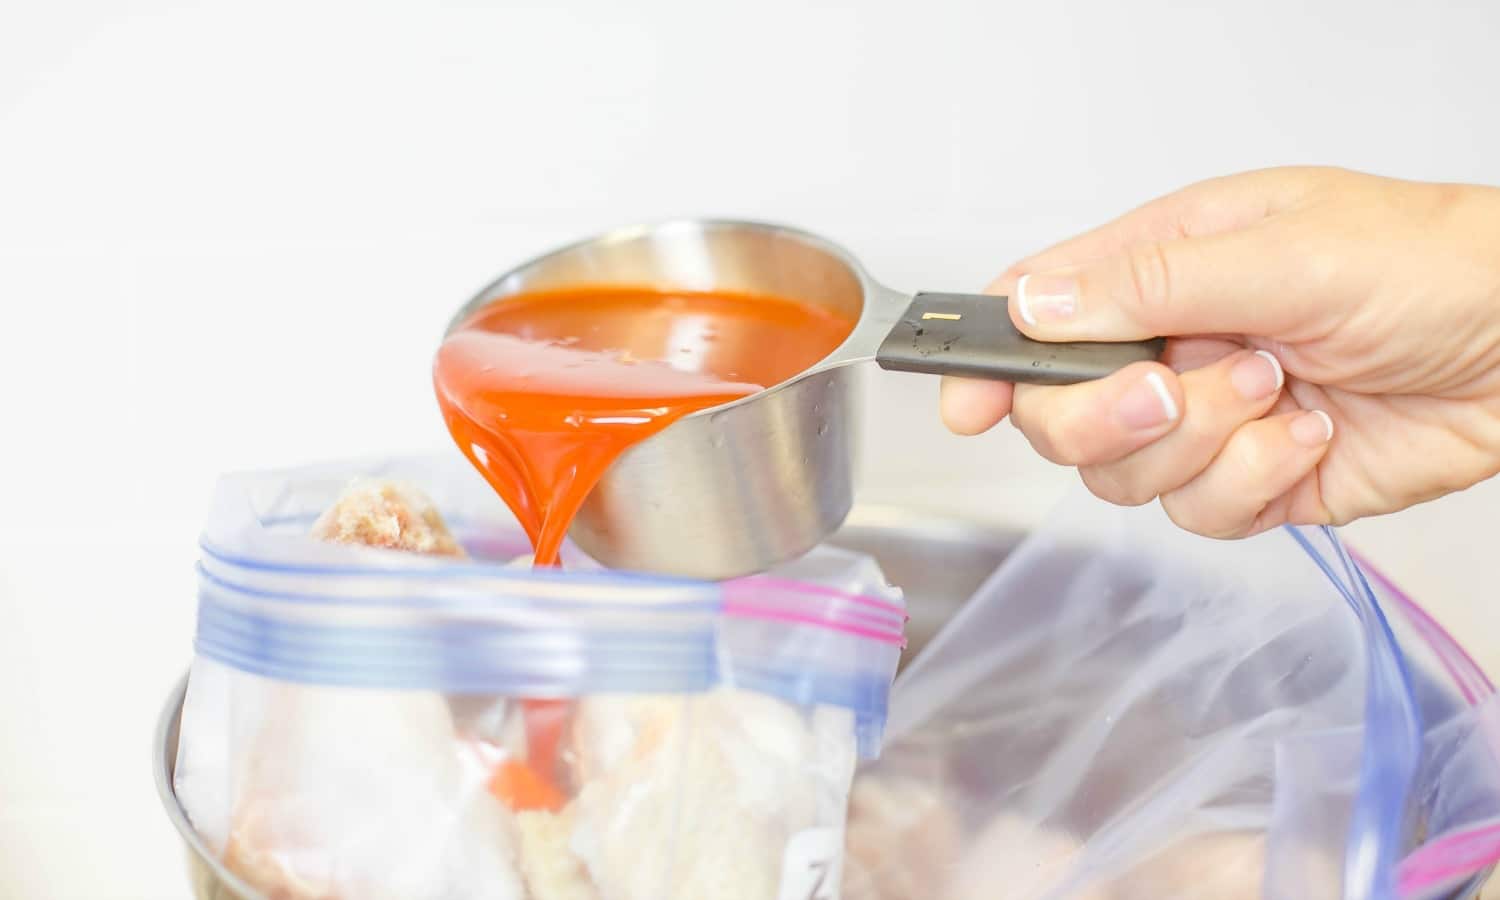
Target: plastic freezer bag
pixel 1127 711
pixel 1453 811
pixel 361 723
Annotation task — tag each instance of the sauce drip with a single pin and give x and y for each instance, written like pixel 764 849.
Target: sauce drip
pixel 543 391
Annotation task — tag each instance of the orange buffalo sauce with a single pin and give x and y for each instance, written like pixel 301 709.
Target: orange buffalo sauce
pixel 543 391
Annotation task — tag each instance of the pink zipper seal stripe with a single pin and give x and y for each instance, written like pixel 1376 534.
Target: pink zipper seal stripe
pixel 1449 858
pixel 775 600
pixel 1465 672
pixel 1457 855
pixel 784 585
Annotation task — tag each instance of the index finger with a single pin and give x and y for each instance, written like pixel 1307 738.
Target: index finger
pixel 1214 206
pixel 1208 207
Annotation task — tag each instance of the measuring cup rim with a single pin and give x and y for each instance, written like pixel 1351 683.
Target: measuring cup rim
pixel 836 358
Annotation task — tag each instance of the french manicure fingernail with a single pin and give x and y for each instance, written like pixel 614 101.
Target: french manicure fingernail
pixel 1313 428
pixel 1257 376
pixel 1147 404
pixel 1046 298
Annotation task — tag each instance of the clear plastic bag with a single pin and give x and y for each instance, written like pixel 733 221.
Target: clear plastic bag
pixel 1453 809
pixel 1127 711
pixel 362 723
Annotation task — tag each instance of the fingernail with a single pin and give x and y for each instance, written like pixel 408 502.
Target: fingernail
pixel 1147 404
pixel 1313 428
pixel 1046 298
pixel 1257 376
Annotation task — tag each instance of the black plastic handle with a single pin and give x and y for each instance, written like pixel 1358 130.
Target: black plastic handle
pixel 972 334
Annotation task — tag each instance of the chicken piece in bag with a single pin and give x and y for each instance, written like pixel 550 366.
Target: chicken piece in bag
pixel 393 515
pixel 695 797
pixel 363 794
pixel 903 835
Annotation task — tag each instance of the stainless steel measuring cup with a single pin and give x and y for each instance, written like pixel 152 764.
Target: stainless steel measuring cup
pixel 741 487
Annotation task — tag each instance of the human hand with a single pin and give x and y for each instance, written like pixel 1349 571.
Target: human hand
pixel 1333 352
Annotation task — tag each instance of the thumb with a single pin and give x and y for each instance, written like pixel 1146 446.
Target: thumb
pixel 1240 282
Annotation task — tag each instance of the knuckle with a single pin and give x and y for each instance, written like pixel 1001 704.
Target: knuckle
pixel 1181 512
pixel 1059 437
pixel 1446 200
pixel 1251 465
pixel 1150 280
pixel 1048 433
pixel 1107 483
pixel 1020 412
pixel 1021 420
pixel 1195 514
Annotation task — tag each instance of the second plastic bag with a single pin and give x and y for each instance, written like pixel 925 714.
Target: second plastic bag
pixel 1128 711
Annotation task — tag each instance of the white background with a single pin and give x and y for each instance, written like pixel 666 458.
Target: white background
pixel 229 238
